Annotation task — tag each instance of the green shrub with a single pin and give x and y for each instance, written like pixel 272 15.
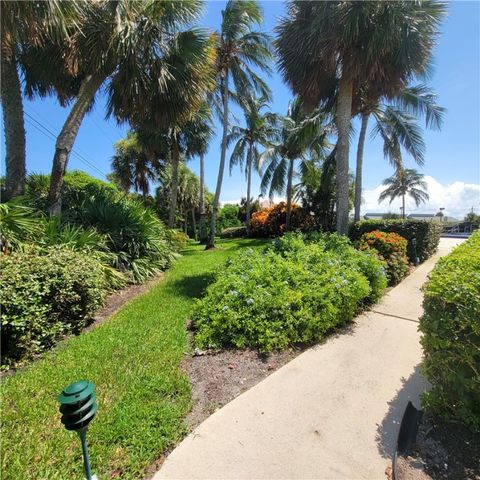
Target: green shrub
pixel 390 247
pixel 46 293
pixel 451 335
pixel 294 292
pixel 234 232
pixel 426 235
pixel 178 239
pixel 228 217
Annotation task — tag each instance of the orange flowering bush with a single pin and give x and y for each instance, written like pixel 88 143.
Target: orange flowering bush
pixel 270 222
pixel 390 247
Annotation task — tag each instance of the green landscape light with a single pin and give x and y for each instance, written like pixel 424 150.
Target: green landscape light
pixel 78 406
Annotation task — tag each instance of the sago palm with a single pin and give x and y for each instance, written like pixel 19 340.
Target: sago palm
pixel 342 45
pixel 259 131
pixel 239 49
pixel 395 122
pixel 405 182
pixel 297 133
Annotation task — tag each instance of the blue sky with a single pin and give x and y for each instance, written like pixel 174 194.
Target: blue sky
pixel 452 158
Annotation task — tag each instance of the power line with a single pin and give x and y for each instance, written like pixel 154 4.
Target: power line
pixel 49 134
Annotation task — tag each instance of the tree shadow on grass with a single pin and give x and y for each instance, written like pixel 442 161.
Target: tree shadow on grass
pixel 387 431
pixel 193 286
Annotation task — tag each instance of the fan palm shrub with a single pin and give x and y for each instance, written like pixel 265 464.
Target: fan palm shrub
pixel 329 50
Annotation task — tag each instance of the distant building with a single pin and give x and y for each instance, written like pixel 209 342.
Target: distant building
pixel 374 216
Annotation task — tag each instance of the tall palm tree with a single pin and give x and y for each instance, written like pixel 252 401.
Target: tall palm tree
pixel 297 133
pixel 23 23
pixel 395 122
pixel 132 166
pixel 138 53
pixel 405 182
pixel 259 131
pixel 239 49
pixel 329 49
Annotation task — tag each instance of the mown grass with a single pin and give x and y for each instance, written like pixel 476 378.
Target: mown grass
pixel 133 359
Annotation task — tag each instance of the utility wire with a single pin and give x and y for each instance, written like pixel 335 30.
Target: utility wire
pixel 49 134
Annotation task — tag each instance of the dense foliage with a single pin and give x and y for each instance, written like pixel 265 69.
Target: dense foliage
pixel 228 217
pixel 46 293
pixel 296 291
pixel 270 222
pixel 451 335
pixel 423 237
pixel 390 247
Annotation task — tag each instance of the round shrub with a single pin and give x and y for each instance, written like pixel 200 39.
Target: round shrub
pixel 270 222
pixel 451 335
pixel 46 293
pixel 390 247
pixel 294 292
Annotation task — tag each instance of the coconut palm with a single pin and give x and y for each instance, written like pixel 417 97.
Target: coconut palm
pixel 132 166
pixel 395 122
pixel 405 182
pixel 239 49
pixel 23 23
pixel 338 46
pixel 259 131
pixel 297 134
pixel 137 52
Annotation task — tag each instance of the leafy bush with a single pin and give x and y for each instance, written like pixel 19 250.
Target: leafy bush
pixel 392 248
pixel 294 292
pixel 228 217
pixel 451 335
pixel 425 234
pixel 270 222
pixel 18 225
pixel 177 239
pixel 46 293
pixel 234 232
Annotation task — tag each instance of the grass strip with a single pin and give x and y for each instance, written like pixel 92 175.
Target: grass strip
pixel 134 360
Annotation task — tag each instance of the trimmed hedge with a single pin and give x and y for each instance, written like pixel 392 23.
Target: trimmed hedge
pixel 45 294
pixel 293 292
pixel 234 232
pixel 427 234
pixel 451 335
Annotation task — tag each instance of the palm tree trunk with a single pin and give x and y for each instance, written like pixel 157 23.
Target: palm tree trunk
pixel 66 139
pixel 12 107
pixel 403 206
pixel 343 119
pixel 174 184
pixel 358 173
pixel 194 224
pixel 223 152
pixel 249 187
pixel 289 194
pixel 203 226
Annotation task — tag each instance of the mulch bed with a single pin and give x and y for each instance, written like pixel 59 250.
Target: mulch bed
pixel 443 451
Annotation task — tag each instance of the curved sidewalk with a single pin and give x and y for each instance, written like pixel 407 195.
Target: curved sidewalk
pixel 331 413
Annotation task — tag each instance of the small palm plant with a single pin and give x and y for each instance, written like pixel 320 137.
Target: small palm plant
pixel 405 182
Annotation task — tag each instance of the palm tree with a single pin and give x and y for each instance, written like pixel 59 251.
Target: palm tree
pixel 239 49
pixel 136 51
pixel 132 166
pixel 260 131
pixel 397 126
pixel 405 182
pixel 297 133
pixel 330 49
pixel 22 22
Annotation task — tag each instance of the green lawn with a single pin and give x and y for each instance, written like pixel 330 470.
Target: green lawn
pixel 133 359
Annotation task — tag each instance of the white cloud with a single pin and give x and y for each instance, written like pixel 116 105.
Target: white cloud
pixel 457 198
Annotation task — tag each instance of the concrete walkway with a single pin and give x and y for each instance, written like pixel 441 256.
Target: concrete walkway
pixel 331 413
